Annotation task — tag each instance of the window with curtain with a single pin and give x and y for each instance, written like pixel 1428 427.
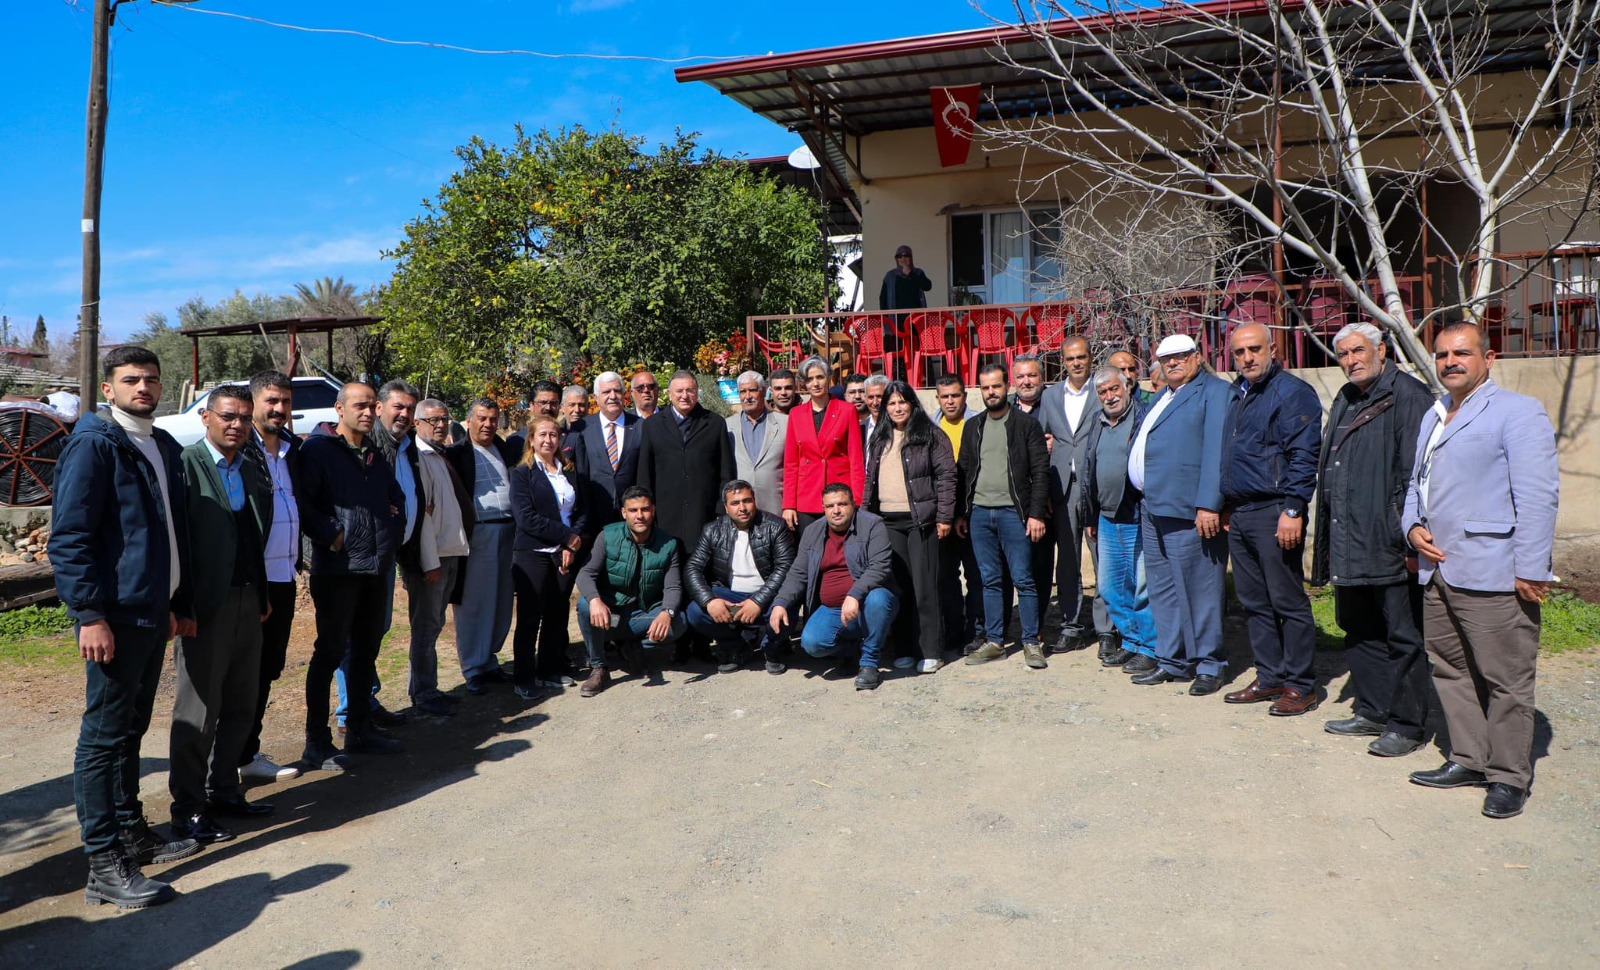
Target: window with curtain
pixel 1007 256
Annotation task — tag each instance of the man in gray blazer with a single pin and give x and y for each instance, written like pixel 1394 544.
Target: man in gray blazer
pixel 758 434
pixel 1481 514
pixel 1068 412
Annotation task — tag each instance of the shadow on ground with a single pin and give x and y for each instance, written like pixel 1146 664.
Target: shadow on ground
pixel 438 753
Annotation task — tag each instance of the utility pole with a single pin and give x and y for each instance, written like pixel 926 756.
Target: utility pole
pixel 94 169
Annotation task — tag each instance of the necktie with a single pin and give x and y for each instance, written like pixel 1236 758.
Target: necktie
pixel 611 443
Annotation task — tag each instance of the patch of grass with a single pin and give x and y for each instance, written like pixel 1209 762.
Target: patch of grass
pixel 1329 635
pixel 38 652
pixel 1568 623
pixel 35 621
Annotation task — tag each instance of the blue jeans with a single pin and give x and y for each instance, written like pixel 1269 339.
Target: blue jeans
pixel 119 698
pixel 1188 577
pixel 1122 584
pixel 731 637
pixel 1000 542
pixel 826 636
pixel 626 625
pixel 344 665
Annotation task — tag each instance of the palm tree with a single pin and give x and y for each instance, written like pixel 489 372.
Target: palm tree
pixel 329 297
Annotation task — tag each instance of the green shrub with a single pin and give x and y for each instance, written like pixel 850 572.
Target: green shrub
pixel 34 621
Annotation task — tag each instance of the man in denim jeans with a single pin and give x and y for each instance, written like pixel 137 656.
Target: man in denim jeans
pixel 1004 490
pixel 1112 508
pixel 843 575
pixel 630 589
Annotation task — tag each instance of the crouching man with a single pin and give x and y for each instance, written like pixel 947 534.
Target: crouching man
pixel 630 588
pixel 842 575
pixel 734 576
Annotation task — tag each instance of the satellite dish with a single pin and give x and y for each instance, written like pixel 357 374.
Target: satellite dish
pixel 802 159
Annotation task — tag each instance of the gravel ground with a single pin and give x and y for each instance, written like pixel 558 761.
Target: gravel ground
pixel 981 815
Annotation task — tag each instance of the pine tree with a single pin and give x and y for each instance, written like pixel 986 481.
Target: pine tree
pixel 41 336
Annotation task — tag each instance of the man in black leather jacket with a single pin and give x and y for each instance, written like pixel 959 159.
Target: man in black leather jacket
pixel 734 574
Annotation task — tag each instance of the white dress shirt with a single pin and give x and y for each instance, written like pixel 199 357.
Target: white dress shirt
pixel 1136 453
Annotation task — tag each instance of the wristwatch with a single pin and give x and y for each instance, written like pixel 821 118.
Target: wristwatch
pixel 1292 513
pixel 670 612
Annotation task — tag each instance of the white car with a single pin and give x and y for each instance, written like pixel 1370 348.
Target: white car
pixel 313 404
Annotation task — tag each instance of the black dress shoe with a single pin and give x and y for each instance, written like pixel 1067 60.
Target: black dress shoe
pixel 1117 658
pixel 1205 684
pixel 1355 727
pixel 1448 775
pixel 201 828
pixel 238 807
pixel 1157 676
pixel 1504 801
pixel 1391 745
pixel 477 684
pixel 1139 664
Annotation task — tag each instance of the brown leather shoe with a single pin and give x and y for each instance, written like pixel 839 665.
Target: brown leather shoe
pixel 1254 694
pixel 598 681
pixel 1294 702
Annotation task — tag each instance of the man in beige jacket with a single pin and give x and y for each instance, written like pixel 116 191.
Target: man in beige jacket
pixel 447 522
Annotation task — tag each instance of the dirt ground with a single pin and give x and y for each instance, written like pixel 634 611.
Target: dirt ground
pixel 981 815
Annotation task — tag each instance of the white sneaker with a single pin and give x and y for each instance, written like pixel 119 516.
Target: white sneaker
pixel 905 663
pixel 265 769
pixel 930 666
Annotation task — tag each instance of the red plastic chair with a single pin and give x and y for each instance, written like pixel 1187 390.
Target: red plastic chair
pixel 868 335
pixel 776 352
pixel 1051 324
pixel 989 327
pixel 929 342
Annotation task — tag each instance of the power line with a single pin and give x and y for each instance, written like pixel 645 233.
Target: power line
pixel 179 5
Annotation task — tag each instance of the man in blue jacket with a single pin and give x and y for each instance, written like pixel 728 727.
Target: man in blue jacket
pixel 1269 471
pixel 354 514
pixel 1175 462
pixel 119 546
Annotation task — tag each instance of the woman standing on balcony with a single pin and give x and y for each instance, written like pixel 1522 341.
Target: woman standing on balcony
pixel 911 483
pixel 904 286
pixel 823 446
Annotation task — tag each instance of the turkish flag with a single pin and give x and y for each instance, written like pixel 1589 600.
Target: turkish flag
pixel 954 112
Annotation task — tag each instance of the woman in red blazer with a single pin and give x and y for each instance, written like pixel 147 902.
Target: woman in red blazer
pixel 823 447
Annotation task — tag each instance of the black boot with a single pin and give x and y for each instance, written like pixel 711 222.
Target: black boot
pixel 141 844
pixel 115 878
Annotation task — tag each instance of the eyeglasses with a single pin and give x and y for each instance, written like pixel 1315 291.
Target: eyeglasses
pixel 646 387
pixel 231 418
pixel 434 421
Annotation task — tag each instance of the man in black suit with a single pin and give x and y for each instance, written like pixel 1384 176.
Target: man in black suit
pixel 605 451
pixel 685 454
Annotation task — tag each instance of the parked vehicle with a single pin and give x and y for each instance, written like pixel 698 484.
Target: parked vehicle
pixel 313 404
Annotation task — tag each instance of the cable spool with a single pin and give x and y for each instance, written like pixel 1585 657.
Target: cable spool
pixel 30 440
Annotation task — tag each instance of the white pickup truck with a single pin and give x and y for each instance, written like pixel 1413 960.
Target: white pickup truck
pixel 313 404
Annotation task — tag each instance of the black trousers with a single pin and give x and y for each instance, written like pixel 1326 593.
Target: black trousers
pixel 1271 584
pixel 539 645
pixel 963 608
pixel 1388 663
pixel 914 555
pixel 274 653
pixel 350 612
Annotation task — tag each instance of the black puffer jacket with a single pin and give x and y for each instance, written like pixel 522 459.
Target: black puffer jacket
pixel 711 562
pixel 341 493
pixel 1363 477
pixel 930 470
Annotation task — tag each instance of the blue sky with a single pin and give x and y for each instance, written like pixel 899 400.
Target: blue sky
pixel 246 157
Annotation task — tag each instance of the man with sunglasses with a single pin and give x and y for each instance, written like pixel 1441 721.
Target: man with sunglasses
pixel 646 395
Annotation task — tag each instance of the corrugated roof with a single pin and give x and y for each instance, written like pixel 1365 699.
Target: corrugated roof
pixel 865 88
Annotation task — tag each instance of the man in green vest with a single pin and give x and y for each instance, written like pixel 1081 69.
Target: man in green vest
pixel 631 588
pixel 219 668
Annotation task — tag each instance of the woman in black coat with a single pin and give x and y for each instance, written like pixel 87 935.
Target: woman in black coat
pixel 548 507
pixel 911 484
